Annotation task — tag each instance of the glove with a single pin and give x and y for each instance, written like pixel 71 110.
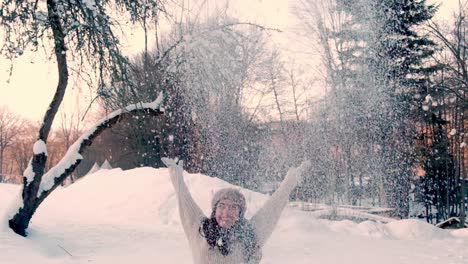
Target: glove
pixel 297 173
pixel 175 166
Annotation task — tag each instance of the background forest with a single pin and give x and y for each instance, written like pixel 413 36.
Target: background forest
pixel 376 101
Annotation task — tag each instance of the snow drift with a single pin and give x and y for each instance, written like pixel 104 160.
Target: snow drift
pixel 115 216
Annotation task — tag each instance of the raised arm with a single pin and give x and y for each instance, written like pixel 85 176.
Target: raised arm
pixel 266 218
pixel 190 213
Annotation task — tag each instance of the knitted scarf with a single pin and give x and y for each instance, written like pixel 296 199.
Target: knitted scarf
pixel 223 238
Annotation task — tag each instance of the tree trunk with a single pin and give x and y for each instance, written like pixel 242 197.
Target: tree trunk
pixel 1 165
pixel 19 223
pixel 462 202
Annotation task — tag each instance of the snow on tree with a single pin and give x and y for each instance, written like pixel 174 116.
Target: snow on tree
pixel 84 31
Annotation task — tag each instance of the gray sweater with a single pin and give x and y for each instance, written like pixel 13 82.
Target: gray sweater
pixel 264 221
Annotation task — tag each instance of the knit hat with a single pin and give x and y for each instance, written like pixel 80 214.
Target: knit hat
pixel 230 194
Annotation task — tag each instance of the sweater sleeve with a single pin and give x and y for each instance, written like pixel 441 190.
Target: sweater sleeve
pixel 266 218
pixel 190 213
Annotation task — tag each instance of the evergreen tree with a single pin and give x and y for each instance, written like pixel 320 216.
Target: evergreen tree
pixel 400 66
pixel 385 67
pixel 437 184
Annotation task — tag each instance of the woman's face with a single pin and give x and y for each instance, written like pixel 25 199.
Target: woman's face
pixel 227 213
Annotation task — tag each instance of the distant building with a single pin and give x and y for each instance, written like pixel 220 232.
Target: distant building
pixel 95 168
pixel 106 165
pixel 451 223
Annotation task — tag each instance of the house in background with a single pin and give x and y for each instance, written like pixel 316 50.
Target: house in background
pixel 451 223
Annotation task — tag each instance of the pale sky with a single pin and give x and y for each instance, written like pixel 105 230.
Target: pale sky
pixel 31 87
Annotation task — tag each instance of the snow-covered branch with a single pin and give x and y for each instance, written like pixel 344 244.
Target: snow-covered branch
pixel 73 157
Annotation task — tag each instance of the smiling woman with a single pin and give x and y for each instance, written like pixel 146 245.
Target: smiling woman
pixel 227 237
pixel 228 205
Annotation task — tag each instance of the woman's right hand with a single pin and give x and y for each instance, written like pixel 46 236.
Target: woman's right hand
pixel 174 165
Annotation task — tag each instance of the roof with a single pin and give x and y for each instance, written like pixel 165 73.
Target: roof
pixel 450 221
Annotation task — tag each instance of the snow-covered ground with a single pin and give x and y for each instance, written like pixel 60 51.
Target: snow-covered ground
pixel 115 216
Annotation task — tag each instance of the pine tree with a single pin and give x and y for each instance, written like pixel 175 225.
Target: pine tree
pixel 400 67
pixel 385 63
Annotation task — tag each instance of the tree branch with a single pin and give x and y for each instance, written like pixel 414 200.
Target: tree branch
pixel 55 176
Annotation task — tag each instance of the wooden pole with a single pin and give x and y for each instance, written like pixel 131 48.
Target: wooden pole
pixel 463 201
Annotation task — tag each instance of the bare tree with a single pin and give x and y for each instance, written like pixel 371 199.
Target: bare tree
pixel 218 88
pixel 86 32
pixel 71 127
pixel 22 147
pixel 328 26
pixel 207 67
pixel 10 129
pixel 449 100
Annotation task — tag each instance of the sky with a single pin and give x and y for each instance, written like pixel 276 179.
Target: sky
pixel 29 90
pixel 137 221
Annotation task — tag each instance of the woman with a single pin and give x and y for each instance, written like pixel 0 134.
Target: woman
pixel 226 237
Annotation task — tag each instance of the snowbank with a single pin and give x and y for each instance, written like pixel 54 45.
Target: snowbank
pixel 115 216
